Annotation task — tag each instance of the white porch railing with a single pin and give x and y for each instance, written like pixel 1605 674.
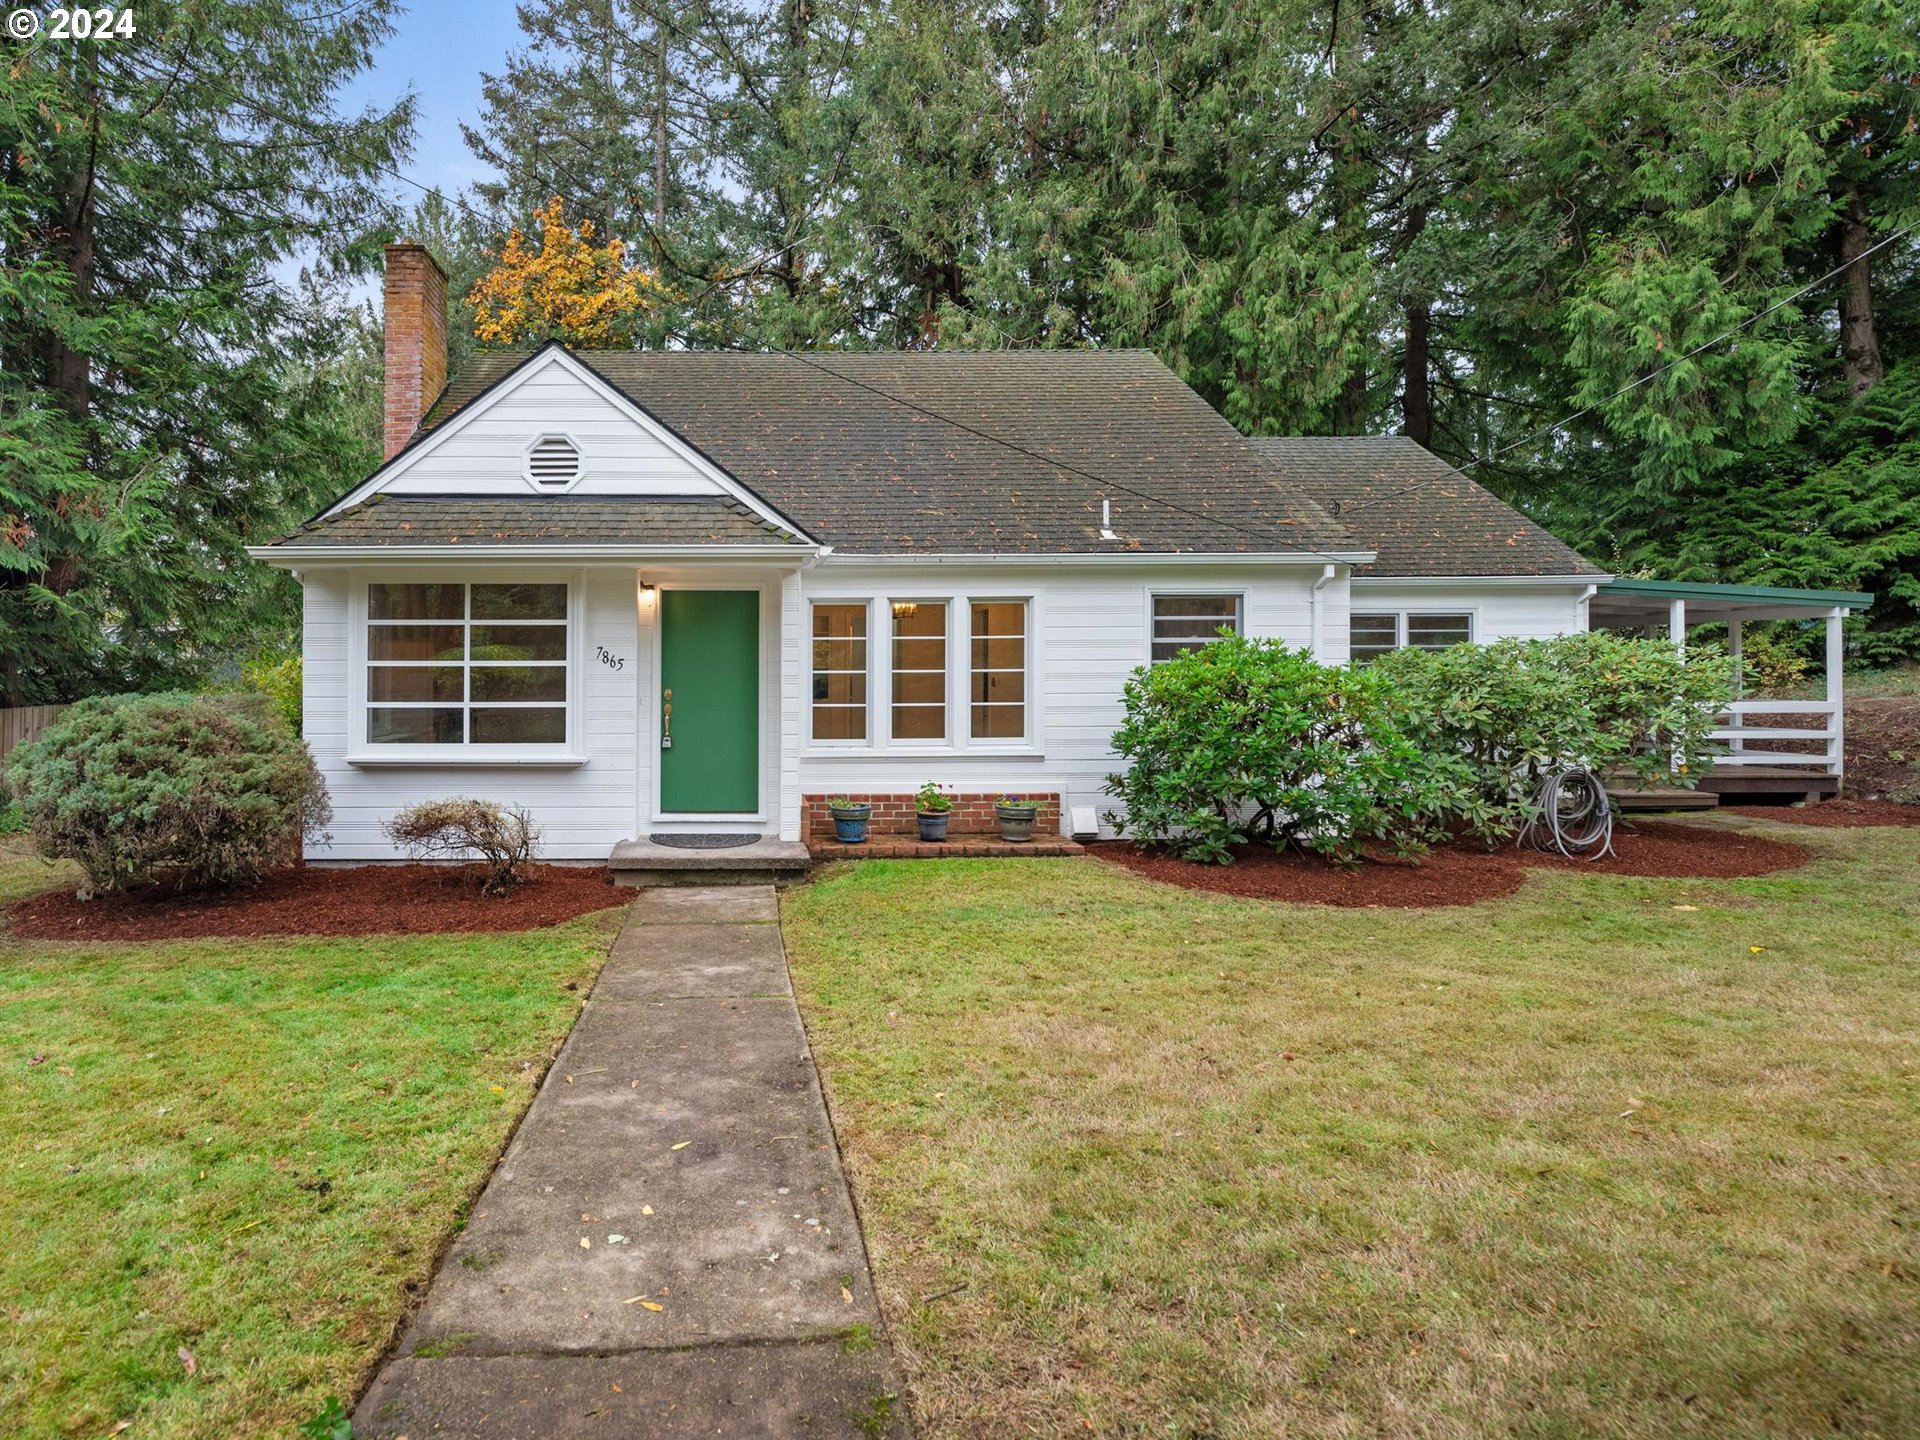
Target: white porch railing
pixel 1740 737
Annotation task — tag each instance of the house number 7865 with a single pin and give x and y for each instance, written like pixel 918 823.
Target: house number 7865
pixel 612 662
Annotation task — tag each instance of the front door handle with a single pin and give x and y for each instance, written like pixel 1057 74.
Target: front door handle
pixel 666 719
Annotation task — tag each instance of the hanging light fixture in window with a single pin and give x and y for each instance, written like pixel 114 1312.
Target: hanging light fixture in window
pixel 903 608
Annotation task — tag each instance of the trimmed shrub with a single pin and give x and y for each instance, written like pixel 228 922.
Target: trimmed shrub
pixel 196 790
pixel 1516 709
pixel 463 828
pixel 1247 741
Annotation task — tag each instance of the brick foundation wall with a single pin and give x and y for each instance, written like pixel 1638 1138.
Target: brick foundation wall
pixel 893 814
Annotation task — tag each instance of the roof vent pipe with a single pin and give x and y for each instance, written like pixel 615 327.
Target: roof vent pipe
pixel 1106 520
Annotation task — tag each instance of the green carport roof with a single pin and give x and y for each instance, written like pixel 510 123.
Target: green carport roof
pixel 1737 594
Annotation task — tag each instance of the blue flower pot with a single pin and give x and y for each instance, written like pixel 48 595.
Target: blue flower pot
pixel 850 824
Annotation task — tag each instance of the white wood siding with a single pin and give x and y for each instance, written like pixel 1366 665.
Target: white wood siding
pixel 1089 630
pixel 582 811
pixel 1500 611
pixel 484 451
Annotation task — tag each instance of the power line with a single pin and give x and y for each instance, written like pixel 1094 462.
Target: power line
pixel 1650 376
pixel 1101 481
pixel 1340 509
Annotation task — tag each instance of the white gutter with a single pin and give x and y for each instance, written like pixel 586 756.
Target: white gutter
pixel 446 554
pixel 1315 606
pixel 1403 582
pixel 1101 560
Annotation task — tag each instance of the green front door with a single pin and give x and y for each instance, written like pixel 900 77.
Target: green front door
pixel 710 676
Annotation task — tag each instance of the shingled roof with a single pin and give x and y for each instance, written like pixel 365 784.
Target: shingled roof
pixel 479 522
pixel 1420 516
pixel 977 452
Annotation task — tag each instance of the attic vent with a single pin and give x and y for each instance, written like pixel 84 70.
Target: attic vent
pixel 553 463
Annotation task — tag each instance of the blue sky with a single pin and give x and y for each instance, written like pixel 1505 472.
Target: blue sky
pixel 439 49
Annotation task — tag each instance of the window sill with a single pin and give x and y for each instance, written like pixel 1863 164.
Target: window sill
pixel 923 752
pixel 428 756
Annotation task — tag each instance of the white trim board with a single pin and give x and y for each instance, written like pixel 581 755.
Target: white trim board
pixel 541 361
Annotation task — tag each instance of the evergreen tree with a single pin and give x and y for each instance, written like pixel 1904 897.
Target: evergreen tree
pixel 163 400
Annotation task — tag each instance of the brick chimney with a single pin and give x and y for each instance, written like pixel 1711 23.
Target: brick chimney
pixel 416 339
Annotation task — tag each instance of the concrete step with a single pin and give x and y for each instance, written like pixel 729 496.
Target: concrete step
pixel 764 862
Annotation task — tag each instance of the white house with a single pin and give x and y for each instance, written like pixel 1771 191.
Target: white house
pixel 685 592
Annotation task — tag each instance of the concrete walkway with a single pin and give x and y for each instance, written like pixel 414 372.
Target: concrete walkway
pixel 668 1248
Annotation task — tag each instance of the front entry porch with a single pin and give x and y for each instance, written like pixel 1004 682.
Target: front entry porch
pixel 720 673
pixel 1792 747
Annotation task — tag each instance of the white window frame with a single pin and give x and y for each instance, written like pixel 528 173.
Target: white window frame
pixel 363 752
pixel 1003 742
pixel 1155 594
pixel 1401 627
pixel 866 741
pixel 959 600
pixel 951 736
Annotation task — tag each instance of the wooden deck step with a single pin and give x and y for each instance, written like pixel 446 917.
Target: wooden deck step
pixel 1658 798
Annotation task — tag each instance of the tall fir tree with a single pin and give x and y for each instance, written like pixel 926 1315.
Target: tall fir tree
pixel 164 398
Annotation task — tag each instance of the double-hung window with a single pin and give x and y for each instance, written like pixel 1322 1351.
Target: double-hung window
pixel 1374 633
pixel 1189 622
pixel 466 664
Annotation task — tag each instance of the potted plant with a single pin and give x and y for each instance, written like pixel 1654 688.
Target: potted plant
pixel 934 812
pixel 1016 816
pixel 850 819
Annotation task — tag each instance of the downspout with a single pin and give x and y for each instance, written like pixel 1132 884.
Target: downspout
pixel 1586 619
pixel 1314 607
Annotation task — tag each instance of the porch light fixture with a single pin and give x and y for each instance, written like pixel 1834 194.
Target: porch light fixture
pixel 646 594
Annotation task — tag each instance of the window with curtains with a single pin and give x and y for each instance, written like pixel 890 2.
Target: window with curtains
pixel 1187 622
pixel 466 664
pixel 919 661
pixel 840 672
pixel 1375 633
pixel 997 689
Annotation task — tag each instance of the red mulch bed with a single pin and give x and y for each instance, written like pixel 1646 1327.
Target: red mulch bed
pixel 1461 874
pixel 316 900
pixel 1842 814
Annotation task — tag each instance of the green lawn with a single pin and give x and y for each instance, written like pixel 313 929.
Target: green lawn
pixel 246 1151
pixel 1580 1162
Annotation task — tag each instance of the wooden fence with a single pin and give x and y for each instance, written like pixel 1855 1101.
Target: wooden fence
pixel 19 726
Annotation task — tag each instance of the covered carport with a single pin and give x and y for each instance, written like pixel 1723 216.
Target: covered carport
pixel 1773 746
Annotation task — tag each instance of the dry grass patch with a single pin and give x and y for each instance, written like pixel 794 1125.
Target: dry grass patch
pixel 1576 1162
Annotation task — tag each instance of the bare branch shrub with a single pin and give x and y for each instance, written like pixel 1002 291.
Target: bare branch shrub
pixel 505 841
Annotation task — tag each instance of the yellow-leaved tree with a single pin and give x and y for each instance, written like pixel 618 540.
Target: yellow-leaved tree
pixel 569 286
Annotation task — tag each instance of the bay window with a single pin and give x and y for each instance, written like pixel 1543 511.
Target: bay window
pixel 452 663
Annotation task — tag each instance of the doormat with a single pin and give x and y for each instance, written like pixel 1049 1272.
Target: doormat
pixel 702 841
